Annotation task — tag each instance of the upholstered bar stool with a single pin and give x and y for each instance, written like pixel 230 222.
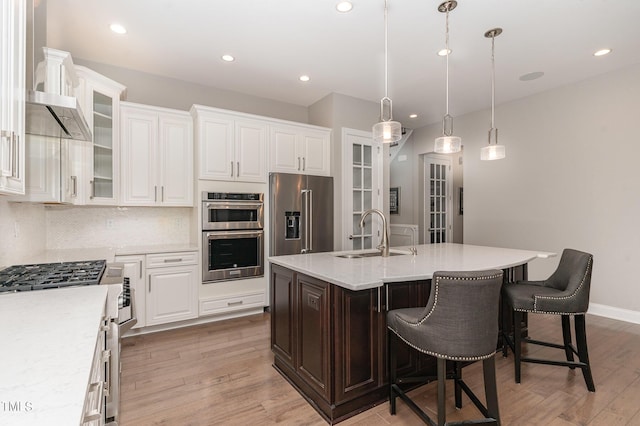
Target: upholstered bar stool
pixel 564 293
pixel 460 324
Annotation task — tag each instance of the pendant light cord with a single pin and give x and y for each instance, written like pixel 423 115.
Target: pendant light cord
pixel 446 46
pixel 386 73
pixel 493 81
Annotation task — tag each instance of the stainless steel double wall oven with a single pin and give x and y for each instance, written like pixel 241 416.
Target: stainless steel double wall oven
pixel 232 235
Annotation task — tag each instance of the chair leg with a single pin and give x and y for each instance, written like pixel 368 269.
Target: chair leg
pixel 581 340
pixel 566 335
pixel 491 388
pixel 392 365
pixel 457 387
pixel 506 309
pixel 442 371
pixel 517 343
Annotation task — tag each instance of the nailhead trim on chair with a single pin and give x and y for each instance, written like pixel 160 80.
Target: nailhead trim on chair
pixel 449 357
pixel 435 302
pixel 535 301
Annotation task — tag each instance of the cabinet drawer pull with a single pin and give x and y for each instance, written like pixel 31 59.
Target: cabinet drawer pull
pixel 234 303
pixel 298 163
pixel 238 169
pixel 178 259
pixel 74 181
pixel 304 163
pixel 232 169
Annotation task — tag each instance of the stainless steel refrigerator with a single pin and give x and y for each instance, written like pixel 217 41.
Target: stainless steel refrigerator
pixel 301 213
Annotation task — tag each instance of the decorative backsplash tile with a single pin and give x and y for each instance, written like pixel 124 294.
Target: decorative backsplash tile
pixel 90 227
pixel 22 231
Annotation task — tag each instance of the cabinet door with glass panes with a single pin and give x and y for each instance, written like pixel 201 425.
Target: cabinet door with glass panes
pixel 100 104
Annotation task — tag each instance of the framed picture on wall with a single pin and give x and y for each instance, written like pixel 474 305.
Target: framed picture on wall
pixel 394 200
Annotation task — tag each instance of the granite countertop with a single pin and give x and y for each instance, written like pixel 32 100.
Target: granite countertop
pixel 48 341
pixel 372 272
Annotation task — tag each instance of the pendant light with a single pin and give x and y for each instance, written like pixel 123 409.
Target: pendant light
pixel 447 143
pixel 387 130
pixel 493 151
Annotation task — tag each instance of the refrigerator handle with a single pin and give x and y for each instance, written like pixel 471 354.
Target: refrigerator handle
pixel 305 215
pixel 310 221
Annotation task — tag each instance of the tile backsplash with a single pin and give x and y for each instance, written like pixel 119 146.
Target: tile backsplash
pixel 22 231
pixel 28 228
pixel 94 227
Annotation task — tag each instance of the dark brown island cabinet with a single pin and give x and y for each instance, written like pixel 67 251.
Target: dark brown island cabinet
pixel 330 342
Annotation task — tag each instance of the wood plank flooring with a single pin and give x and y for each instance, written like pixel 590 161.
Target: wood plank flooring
pixel 221 374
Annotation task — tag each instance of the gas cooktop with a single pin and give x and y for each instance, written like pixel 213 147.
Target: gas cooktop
pixel 51 275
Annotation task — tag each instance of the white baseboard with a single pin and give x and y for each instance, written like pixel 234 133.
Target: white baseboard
pixel 612 312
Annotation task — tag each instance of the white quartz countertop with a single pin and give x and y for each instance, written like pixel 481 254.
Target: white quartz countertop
pixel 371 272
pixel 48 341
pixel 107 253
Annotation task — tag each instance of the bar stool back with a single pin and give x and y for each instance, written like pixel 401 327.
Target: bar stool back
pixel 459 324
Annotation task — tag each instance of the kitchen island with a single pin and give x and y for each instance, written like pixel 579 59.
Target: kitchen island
pixel 328 316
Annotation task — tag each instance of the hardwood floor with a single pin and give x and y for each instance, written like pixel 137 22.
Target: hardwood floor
pixel 221 373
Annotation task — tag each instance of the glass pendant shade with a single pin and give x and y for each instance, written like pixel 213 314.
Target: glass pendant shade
pixel 492 152
pixel 448 144
pixel 387 131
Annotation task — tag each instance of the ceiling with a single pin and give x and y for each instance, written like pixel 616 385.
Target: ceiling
pixel 274 42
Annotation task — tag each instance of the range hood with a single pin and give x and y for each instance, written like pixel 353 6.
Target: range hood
pixel 50 114
pixel 49 110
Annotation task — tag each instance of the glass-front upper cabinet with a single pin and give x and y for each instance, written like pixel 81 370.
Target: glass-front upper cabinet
pixel 100 101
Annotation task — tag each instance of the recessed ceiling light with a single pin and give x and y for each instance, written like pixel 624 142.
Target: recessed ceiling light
pixel 228 58
pixel 118 29
pixel 443 52
pixel 413 116
pixel 602 52
pixel 531 76
pixel 304 78
pixel 344 6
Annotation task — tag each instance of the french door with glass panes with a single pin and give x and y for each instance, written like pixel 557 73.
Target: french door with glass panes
pixel 438 200
pixel 362 183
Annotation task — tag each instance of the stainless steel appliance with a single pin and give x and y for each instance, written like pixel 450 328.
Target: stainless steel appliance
pixel 301 213
pixel 232 236
pixel 120 308
pixel 227 211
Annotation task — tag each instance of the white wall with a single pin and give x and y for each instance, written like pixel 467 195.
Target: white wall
pixel 570 179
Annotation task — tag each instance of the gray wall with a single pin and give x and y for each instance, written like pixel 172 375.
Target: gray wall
pixel 570 179
pixel 401 175
pixel 155 90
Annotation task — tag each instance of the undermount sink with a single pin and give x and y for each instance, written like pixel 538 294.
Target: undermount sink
pixel 361 254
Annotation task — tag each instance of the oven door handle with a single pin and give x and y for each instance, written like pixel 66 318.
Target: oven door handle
pixel 233 234
pixel 232 205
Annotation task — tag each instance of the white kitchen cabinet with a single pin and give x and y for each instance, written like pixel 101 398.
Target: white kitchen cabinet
pixel 172 287
pixel 12 96
pixel 231 147
pixel 134 269
pixel 157 156
pixel 99 98
pixel 300 149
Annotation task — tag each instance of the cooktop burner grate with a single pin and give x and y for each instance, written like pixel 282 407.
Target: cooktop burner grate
pixel 51 275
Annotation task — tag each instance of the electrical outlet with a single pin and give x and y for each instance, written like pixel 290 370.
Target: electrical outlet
pixel 109 223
